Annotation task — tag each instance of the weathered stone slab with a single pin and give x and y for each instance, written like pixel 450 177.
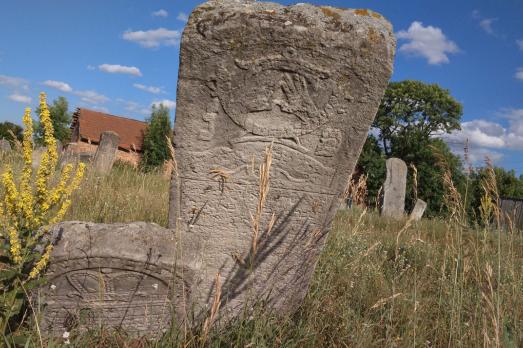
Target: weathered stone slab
pixel 106 152
pixel 394 188
pixel 5 146
pixel 419 210
pixel 119 276
pixel 307 80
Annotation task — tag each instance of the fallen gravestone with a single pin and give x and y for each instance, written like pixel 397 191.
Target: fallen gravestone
pixel 305 80
pixel 106 152
pixel 394 188
pixel 118 276
pixel 5 146
pixel 419 210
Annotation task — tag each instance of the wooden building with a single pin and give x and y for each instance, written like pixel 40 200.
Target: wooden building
pixel 87 126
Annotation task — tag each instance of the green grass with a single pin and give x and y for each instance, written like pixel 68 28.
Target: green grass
pixel 379 282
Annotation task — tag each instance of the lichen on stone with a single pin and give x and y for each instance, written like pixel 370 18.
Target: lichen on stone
pixel 329 12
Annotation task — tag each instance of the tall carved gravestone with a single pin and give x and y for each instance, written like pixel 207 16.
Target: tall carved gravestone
pixel 394 188
pixel 307 80
pixel 116 276
pixel 106 152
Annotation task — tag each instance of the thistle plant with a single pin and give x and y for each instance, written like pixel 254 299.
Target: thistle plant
pixel 29 203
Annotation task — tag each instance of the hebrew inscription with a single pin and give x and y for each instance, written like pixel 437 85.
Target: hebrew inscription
pixel 94 281
pixel 305 81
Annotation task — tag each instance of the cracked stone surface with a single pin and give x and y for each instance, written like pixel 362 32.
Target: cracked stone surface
pixel 307 80
pixel 119 276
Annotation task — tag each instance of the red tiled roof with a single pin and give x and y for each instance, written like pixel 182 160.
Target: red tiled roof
pixel 91 124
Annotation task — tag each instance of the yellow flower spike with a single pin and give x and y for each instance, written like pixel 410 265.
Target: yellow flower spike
pixel 26 195
pixel 60 190
pixel 15 246
pixel 50 156
pixel 11 193
pixel 42 263
pixel 63 209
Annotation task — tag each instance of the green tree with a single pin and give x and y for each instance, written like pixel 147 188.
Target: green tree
pixel 410 115
pixel 5 132
pixel 61 119
pixel 508 185
pixel 372 163
pixel 414 111
pixel 155 148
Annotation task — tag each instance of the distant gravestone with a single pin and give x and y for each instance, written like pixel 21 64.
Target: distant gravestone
pixel 419 210
pixel 394 188
pixel 106 152
pixel 69 154
pixel 307 80
pixel 5 146
pixel 94 282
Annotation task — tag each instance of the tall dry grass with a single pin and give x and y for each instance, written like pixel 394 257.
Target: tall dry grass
pixel 379 282
pixel 125 195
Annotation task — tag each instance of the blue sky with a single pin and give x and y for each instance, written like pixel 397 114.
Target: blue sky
pixel 121 56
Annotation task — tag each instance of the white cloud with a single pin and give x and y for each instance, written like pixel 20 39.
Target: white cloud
pixel 91 97
pixel 20 98
pixel 428 42
pixel 88 96
pixel 120 69
pixel 520 44
pixel 14 82
pixel 150 89
pixel 99 108
pixel 134 107
pixel 487 134
pixel 486 25
pixel 182 17
pixel 153 38
pixel 480 133
pixel 59 85
pixel 478 156
pixel 519 74
pixel 160 13
pixel 171 104
pixel 475 14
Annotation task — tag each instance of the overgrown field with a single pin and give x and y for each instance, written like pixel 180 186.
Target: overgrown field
pixel 379 283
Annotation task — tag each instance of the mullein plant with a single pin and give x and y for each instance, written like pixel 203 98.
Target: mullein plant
pixel 29 203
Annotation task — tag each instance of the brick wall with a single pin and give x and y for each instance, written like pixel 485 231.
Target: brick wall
pixel 129 157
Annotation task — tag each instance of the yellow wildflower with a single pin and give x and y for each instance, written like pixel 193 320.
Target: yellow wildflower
pixel 42 263
pixel 26 195
pixel 14 243
pixel 11 193
pixel 50 156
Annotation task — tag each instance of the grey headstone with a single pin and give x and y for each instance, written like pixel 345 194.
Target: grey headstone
pixel 69 154
pixel 394 188
pixel 119 276
pixel 419 210
pixel 5 146
pixel 307 80
pixel 85 157
pixel 106 152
